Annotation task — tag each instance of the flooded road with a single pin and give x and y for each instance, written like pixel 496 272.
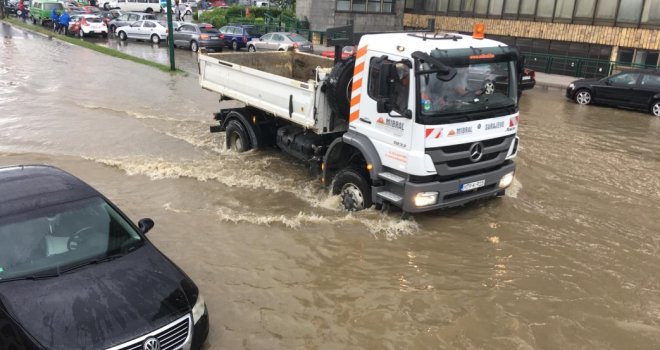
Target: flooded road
pixel 568 259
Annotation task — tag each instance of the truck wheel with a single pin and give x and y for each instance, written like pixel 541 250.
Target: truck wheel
pixel 354 190
pixel 339 87
pixel 237 138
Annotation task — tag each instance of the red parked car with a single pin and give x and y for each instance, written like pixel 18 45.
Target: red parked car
pixel 346 52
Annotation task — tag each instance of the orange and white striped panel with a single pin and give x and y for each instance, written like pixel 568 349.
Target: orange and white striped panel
pixel 358 72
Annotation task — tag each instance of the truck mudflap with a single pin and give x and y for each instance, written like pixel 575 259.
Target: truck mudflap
pixel 454 192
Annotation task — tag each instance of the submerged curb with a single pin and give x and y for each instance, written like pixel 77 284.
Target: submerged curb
pixel 101 49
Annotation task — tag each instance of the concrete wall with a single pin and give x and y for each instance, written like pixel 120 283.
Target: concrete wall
pixel 321 16
pixel 612 36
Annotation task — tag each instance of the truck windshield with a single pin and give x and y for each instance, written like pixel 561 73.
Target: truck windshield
pixel 476 86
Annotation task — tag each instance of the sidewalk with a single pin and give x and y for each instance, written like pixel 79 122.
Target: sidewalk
pixel 554 80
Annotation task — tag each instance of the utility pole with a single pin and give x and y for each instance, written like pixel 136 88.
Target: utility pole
pixel 170 34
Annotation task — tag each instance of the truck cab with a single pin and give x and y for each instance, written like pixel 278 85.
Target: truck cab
pixel 441 112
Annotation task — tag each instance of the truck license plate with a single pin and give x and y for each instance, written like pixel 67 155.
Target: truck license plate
pixel 472 185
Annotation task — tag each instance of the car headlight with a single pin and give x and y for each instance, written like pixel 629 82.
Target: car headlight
pixel 423 199
pixel 199 308
pixel 571 86
pixel 506 180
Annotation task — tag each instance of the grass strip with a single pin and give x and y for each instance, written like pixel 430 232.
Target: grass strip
pixel 76 41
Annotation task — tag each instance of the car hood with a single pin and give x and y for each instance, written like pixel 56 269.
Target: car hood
pixel 100 305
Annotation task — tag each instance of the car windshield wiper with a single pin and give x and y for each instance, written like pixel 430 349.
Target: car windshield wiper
pixel 92 262
pixel 34 277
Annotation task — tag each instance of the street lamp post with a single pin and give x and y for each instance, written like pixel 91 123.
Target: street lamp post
pixel 170 34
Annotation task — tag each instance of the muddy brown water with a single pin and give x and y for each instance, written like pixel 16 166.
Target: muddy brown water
pixel 568 259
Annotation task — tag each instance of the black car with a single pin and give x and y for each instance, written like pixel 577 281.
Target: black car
pixel 76 273
pixel 527 79
pixel 638 89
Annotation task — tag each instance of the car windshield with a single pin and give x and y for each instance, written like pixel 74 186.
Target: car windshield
pixel 464 86
pixel 296 38
pixel 251 31
pixel 51 6
pixel 93 19
pixel 152 17
pixel 209 30
pixel 54 239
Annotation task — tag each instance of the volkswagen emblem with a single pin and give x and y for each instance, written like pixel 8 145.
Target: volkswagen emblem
pixel 151 344
pixel 476 151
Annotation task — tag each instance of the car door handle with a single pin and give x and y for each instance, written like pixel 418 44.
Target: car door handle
pixel 365 120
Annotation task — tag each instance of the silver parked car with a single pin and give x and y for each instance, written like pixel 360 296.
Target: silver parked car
pixel 280 41
pixel 127 18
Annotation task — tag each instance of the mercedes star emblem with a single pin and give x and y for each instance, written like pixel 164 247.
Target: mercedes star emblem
pixel 476 151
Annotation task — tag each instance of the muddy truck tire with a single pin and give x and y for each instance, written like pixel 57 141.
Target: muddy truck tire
pixel 339 89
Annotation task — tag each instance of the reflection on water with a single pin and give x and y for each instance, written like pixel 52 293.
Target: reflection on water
pixel 567 259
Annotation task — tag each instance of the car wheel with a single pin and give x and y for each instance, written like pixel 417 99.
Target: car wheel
pixel 655 108
pixel 188 13
pixel 251 48
pixel 122 36
pixel 105 35
pixel 234 45
pixel 353 189
pixel 81 33
pixel 155 39
pixel 237 139
pixel 194 46
pixel 583 97
pixel 149 10
pixel 112 28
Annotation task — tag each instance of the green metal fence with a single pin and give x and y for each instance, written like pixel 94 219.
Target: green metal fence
pixel 576 66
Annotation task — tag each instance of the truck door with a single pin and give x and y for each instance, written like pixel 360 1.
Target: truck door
pixel 390 132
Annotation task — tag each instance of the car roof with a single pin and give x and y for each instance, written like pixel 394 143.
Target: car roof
pixel 24 188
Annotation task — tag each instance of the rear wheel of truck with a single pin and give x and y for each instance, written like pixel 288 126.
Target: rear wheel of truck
pixel 353 189
pixel 339 87
pixel 237 138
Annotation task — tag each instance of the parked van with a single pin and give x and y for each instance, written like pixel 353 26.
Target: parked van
pixel 40 10
pixel 148 6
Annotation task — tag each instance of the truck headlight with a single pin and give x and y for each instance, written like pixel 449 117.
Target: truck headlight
pixel 423 199
pixel 506 180
pixel 199 308
pixel 571 86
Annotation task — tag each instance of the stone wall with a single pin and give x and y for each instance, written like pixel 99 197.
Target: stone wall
pixel 612 36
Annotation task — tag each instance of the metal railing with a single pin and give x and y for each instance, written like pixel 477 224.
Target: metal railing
pixel 577 66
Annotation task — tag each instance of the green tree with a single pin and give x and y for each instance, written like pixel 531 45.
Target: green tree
pixel 285 4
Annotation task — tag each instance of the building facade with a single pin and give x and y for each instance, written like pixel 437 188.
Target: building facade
pixel 573 37
pixel 366 15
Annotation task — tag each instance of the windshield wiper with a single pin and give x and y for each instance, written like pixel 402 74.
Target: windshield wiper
pixel 34 277
pixel 93 262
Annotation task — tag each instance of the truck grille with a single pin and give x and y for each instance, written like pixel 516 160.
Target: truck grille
pixel 454 160
pixel 171 336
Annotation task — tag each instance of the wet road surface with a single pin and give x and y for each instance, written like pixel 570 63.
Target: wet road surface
pixel 568 259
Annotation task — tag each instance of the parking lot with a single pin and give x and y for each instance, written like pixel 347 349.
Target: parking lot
pixel 568 258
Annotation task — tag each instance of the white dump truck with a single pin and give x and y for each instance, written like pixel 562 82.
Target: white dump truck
pixel 420 121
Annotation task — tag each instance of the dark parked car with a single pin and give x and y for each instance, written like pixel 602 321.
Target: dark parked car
pixel 76 273
pixel 527 80
pixel 635 89
pixel 237 36
pixel 194 36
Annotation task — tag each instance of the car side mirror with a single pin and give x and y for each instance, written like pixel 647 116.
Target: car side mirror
pixel 608 82
pixel 145 225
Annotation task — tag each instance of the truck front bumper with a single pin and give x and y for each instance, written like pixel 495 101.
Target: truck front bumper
pixel 449 192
